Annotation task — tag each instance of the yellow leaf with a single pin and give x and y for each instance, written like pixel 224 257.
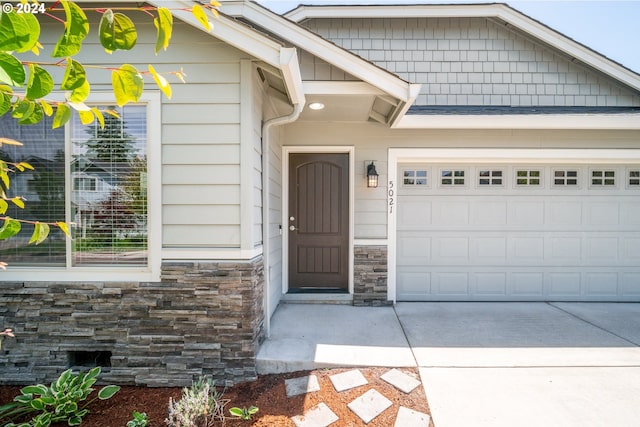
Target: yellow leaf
pixel 9 141
pixel 214 3
pixel 201 16
pixel 162 83
pixel 86 117
pixel 99 116
pixel 64 227
pixel 113 113
pixel 18 202
pixel 26 165
pixel 46 107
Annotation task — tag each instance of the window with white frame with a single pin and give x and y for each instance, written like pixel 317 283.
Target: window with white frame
pixel 107 202
pixel 633 176
pixel 528 177
pixel 490 178
pixel 565 177
pixel 602 178
pixel 452 177
pixel 415 177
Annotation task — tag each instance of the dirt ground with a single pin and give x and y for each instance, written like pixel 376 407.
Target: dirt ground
pixel 267 393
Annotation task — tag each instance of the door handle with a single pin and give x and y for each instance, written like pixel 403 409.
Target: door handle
pixel 292 228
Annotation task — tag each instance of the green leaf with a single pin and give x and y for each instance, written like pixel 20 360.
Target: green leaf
pixel 23 109
pixel 162 83
pixel 40 82
pixel 40 233
pixel 201 16
pixel 74 421
pixel 10 228
pixel 127 83
pixel 37 404
pixel 5 103
pixel 35 116
pixel 80 93
pixel 11 70
pixel 76 29
pixel 236 412
pixel 164 25
pixel 34 389
pixel 74 75
pixel 117 31
pixel 63 114
pixel 19 32
pixel 108 392
pixel 3 206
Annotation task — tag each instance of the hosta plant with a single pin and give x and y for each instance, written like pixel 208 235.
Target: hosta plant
pixel 60 402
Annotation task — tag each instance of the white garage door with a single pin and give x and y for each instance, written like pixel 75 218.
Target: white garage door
pixel 503 232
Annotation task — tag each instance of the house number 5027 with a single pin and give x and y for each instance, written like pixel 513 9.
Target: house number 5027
pixel 391 193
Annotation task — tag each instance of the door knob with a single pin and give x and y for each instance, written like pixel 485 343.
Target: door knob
pixel 292 228
pixel 291 218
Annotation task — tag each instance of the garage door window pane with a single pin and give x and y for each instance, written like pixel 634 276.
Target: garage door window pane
pixel 603 178
pixel 634 178
pixel 528 177
pixel 414 178
pixel 565 178
pixel 487 178
pixel 450 177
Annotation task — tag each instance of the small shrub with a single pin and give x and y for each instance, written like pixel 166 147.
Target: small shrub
pixel 200 406
pixel 140 419
pixel 57 403
pixel 244 413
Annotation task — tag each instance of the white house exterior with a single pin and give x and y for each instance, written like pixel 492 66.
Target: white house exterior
pixel 509 170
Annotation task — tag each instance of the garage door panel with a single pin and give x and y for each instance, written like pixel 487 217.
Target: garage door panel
pixel 527 284
pixel 488 214
pixel 491 284
pixel 515 242
pixel 523 214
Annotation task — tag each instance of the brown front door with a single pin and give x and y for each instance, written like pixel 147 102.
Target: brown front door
pixel 318 222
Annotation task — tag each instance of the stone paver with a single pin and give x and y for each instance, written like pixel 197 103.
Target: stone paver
pixel 348 380
pixel 318 416
pixel 302 385
pixel 410 418
pixel 369 405
pixel 400 380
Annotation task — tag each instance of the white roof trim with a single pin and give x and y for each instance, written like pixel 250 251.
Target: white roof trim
pixel 521 121
pixel 340 88
pixel 320 47
pixel 501 11
pixel 247 40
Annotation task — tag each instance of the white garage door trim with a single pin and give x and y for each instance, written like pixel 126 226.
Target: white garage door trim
pixel 513 156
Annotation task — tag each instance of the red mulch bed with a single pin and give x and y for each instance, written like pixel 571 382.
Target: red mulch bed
pixel 267 393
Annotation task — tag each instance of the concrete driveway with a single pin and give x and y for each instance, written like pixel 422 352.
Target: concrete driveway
pixel 482 364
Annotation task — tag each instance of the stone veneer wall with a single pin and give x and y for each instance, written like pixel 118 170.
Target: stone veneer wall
pixel 370 276
pixel 203 318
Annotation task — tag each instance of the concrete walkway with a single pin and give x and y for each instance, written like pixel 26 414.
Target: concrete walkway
pixel 482 364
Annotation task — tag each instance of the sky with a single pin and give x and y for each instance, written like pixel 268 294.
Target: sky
pixel 611 27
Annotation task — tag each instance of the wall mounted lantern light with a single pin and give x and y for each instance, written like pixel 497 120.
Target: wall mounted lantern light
pixel 372 176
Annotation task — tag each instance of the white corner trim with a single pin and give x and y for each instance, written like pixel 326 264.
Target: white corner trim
pixel 520 121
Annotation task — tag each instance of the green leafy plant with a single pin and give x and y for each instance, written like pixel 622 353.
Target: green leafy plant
pixel 58 402
pixel 244 413
pixel 200 406
pixel 140 419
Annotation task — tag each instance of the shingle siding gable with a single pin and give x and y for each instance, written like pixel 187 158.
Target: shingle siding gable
pixel 468 61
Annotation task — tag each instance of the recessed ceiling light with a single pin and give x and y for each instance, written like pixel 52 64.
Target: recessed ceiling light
pixel 316 105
